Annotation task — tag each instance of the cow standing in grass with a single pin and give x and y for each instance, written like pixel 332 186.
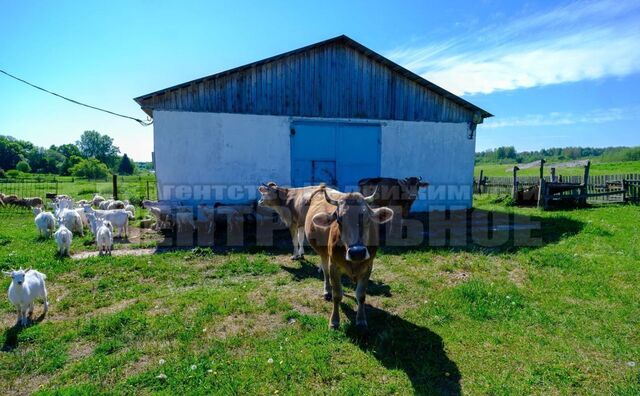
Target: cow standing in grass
pixel 344 232
pixel 395 193
pixel 292 205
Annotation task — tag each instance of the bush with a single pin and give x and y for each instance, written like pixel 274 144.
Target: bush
pixel 23 166
pixel 90 168
pixel 13 173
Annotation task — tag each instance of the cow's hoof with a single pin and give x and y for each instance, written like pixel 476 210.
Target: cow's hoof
pixel 328 297
pixel 334 326
pixel 295 257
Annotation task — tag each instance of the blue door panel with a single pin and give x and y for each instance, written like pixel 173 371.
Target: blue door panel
pixel 338 154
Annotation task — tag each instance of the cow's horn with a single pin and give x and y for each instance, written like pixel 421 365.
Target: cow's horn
pixel 371 197
pixel 329 199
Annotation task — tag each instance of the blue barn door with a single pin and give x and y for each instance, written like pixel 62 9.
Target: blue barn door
pixel 338 154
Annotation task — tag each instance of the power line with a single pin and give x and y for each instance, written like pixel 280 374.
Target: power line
pixel 143 123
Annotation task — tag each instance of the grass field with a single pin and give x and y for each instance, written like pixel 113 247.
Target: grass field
pixel 561 318
pixel 597 168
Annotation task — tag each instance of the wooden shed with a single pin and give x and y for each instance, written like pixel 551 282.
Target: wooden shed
pixel 332 112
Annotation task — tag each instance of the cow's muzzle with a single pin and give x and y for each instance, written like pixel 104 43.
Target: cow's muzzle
pixel 357 253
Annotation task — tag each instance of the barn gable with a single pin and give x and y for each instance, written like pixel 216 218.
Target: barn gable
pixel 337 78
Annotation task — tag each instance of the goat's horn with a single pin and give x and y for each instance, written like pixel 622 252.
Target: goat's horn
pixel 371 197
pixel 329 199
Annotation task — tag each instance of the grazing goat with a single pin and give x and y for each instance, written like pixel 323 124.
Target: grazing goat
pixel 119 218
pixel 115 205
pixel 95 201
pixel 63 238
pixel 104 237
pixel 164 218
pixel 71 220
pixel 130 208
pixel 45 222
pixel 105 204
pixel 25 287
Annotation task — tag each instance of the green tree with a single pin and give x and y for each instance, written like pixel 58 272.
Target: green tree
pixel 94 145
pixel 68 150
pixel 126 167
pixel 23 166
pixel 90 168
pixel 68 163
pixel 11 152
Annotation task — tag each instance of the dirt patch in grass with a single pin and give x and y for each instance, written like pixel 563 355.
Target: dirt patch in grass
pixel 27 386
pixel 80 350
pixel 455 277
pixel 245 324
pixel 517 276
pixel 120 252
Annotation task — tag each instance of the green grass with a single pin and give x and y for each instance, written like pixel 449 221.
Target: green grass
pixel 560 318
pixel 597 168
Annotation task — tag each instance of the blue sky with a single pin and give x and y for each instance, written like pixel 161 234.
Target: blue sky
pixel 554 73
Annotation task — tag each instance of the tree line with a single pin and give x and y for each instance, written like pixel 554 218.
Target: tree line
pixel 94 156
pixel 508 154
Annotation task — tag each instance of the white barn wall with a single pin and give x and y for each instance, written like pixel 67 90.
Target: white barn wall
pixel 440 152
pixel 195 150
pixel 214 149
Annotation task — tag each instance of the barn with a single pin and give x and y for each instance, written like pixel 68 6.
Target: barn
pixel 332 112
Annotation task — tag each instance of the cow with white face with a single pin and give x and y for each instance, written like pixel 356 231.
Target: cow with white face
pixel 343 230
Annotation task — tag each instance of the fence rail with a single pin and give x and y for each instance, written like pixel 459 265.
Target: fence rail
pixel 628 185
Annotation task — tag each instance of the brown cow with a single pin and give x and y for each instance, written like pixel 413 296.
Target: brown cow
pixel 393 192
pixel 292 205
pixel 344 232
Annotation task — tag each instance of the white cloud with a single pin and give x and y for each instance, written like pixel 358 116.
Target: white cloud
pixel 574 42
pixel 597 116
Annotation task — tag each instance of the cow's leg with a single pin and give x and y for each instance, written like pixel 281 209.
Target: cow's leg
pixel 301 242
pixel 324 262
pixel 336 287
pixel 293 230
pixel 361 293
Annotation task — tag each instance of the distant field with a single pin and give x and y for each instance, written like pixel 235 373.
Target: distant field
pixel 129 187
pixel 597 168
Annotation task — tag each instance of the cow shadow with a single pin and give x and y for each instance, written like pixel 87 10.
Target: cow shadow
pixel 401 345
pixel 11 334
pixel 308 270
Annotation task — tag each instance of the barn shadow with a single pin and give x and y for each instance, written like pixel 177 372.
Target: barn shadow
pixel 401 345
pixel 307 270
pixel 11 334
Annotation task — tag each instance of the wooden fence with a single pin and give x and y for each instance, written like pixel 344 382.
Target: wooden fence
pixel 629 183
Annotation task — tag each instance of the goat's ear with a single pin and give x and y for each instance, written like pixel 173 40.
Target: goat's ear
pixel 381 215
pixel 27 270
pixel 8 273
pixel 324 220
pixel 263 189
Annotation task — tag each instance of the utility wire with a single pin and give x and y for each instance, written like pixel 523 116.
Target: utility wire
pixel 143 123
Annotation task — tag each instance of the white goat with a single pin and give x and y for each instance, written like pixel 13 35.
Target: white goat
pixel 115 205
pixel 95 201
pixel 45 222
pixel 71 220
pixel 119 218
pixel 130 208
pixel 104 237
pixel 105 204
pixel 63 238
pixel 25 287
pixel 231 215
